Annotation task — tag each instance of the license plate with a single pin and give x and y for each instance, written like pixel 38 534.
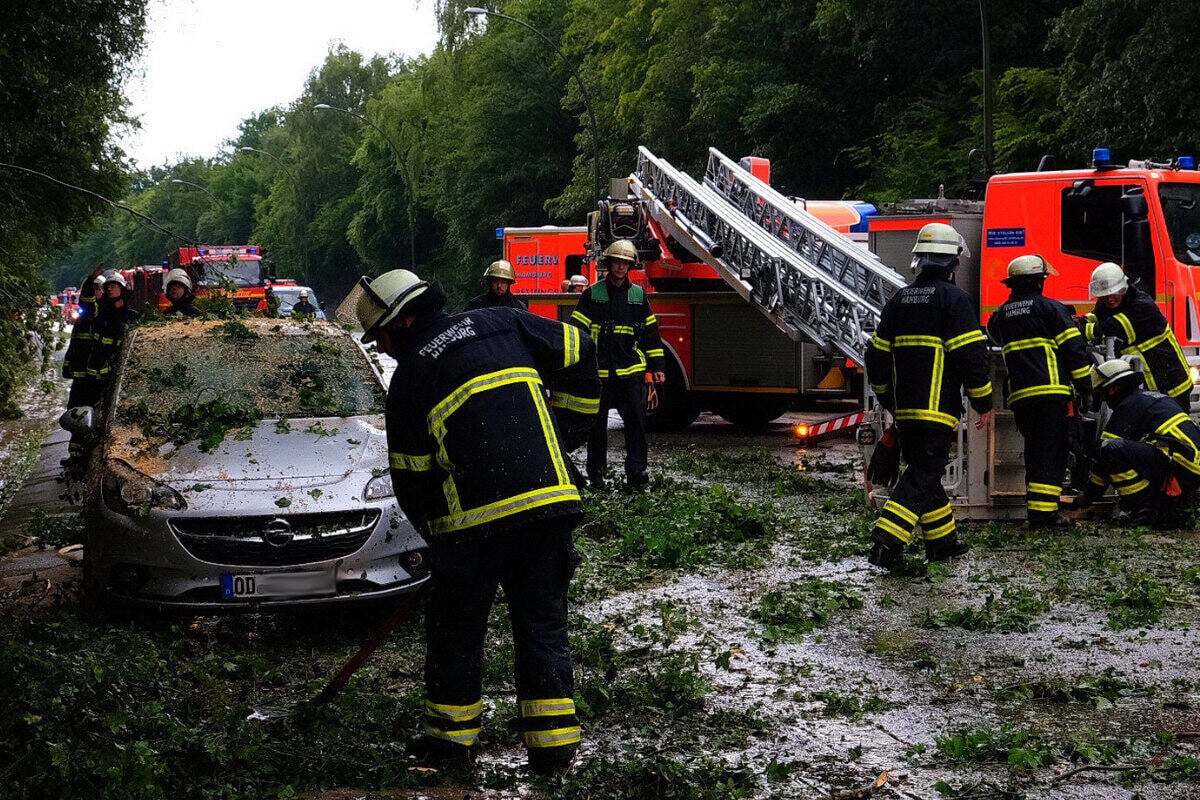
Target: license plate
pixel 277 584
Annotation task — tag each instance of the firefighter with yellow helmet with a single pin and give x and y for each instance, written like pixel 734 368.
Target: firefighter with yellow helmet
pixel 927 348
pixel 498 280
pixel 1149 450
pixel 1126 312
pixel 1046 359
pixel 481 413
pixel 618 316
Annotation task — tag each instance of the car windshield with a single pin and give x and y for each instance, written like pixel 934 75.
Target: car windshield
pixel 1182 213
pixel 290 295
pixel 254 369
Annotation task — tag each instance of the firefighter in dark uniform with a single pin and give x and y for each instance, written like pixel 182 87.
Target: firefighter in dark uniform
pixel 303 307
pixel 1129 314
pixel 498 280
pixel 180 291
pixel 1149 450
pixel 85 390
pixel 617 314
pixel 1045 356
pixel 481 412
pixel 927 347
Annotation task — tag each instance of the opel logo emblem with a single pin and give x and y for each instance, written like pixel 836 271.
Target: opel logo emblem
pixel 277 532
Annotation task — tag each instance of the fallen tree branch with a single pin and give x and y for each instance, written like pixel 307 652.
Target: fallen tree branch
pixel 1097 767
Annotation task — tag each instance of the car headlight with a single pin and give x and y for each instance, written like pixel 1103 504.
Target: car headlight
pixel 134 494
pixel 379 487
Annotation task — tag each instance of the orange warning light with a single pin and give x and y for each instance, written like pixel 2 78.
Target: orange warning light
pixel 801 431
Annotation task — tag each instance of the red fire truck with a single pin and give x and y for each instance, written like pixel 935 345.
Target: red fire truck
pixel 722 353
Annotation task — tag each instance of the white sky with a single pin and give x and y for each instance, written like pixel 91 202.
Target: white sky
pixel 209 64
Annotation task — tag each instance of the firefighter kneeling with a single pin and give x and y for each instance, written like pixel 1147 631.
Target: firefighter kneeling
pixel 478 458
pixel 1149 450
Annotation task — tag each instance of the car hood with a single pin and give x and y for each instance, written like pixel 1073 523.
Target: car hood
pixel 299 453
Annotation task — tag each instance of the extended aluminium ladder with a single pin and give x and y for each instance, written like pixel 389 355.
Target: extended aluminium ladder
pixel 804 276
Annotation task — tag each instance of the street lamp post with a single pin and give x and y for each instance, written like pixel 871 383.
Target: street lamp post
pixel 401 160
pixel 272 156
pixel 195 186
pixel 587 102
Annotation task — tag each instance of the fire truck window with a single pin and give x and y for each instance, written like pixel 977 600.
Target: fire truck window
pixel 1181 212
pixel 574 266
pixel 1091 222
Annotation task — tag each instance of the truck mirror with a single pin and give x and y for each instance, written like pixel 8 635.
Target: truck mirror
pixel 1138 252
pixel 79 420
pixel 1133 203
pixel 1081 188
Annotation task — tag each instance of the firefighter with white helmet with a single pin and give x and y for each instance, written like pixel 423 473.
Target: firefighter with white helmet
pixel 927 348
pixel 577 284
pixel 181 294
pixel 498 280
pixel 1046 359
pixel 479 464
pixel 1130 315
pixel 1149 450
pixel 303 307
pixel 617 314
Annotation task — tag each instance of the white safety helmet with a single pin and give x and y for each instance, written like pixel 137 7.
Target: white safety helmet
pixel 579 280
pixel 938 238
pixel 180 276
pixel 1107 279
pixel 112 276
pixel 384 297
pixel 304 294
pixel 1110 372
pixel 1031 265
pixel 98 282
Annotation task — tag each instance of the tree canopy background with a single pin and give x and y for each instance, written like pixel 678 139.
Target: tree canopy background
pixel 878 102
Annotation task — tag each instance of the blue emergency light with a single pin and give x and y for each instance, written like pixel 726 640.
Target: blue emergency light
pixel 1101 157
pixel 1187 162
pixel 499 233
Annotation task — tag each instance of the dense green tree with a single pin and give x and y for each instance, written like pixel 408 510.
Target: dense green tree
pixel 62 67
pixel 1129 78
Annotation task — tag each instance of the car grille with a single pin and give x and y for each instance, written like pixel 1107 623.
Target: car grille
pixel 243 541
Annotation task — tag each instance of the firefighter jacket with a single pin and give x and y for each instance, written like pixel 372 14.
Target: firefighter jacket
pixel 108 333
pixel 1155 419
pixel 474 443
pixel 184 307
pixel 75 360
pixel 1044 352
pixel 1141 329
pixel 927 347
pixel 624 328
pixel 489 300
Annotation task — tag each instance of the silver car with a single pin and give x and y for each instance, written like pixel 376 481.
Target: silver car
pixel 244 465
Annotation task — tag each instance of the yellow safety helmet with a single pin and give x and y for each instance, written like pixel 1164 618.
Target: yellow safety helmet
pixel 500 269
pixel 384 298
pixel 1110 372
pixel 938 238
pixel 621 249
pixel 1107 279
pixel 180 276
pixel 1031 265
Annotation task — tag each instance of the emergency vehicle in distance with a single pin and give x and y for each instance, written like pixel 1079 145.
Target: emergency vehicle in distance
pixel 723 355
pixel 239 267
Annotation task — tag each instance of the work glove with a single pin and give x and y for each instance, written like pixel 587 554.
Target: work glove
pixel 884 469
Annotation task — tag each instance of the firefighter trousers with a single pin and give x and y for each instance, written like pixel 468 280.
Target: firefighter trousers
pixel 919 498
pixel 85 391
pixel 1136 470
pixel 625 395
pixel 1042 422
pixel 533 565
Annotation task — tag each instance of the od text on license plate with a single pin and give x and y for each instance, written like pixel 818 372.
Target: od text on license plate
pixel 277 584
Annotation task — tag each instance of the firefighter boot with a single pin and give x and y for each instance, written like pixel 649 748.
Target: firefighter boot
pixel 886 551
pixel 1047 520
pixel 434 752
pixel 551 760
pixel 944 548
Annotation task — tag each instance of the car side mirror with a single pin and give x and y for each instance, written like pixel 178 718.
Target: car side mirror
pixel 80 420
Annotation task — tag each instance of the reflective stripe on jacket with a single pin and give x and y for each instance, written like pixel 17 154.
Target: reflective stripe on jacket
pixel 624 328
pixel 1044 352
pixel 1155 419
pixel 928 346
pixel 477 410
pixel 1141 329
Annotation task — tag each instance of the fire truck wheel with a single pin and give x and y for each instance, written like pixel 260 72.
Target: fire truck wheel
pixel 677 407
pixel 751 411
